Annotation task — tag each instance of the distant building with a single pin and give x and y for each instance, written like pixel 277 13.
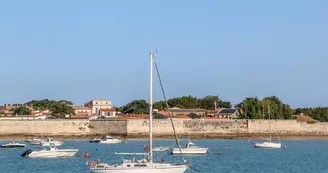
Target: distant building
pixel 177 111
pixel 213 113
pixel 97 105
pixel 108 112
pixel 228 113
pixel 85 110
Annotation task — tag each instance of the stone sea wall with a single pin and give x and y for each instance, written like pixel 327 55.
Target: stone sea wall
pixel 161 128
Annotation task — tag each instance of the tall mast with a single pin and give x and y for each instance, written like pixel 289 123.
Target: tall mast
pixel 151 109
pixel 269 121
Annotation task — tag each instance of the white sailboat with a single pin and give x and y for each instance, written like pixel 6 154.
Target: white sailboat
pixel 53 152
pixel 268 144
pixel 144 165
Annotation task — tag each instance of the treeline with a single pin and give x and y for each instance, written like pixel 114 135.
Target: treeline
pixel 254 108
pixel 57 108
pixel 184 102
pixel 319 113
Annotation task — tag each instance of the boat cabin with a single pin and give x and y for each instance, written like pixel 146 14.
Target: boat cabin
pixel 190 145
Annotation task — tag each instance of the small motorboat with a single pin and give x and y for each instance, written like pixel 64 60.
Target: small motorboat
pixel 95 140
pixel 36 141
pixel 191 148
pixel 53 152
pixel 267 145
pixel 51 141
pixel 109 140
pixel 161 149
pixel 13 145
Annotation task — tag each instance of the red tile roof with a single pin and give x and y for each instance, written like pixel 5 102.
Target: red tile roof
pixel 81 108
pixel 108 109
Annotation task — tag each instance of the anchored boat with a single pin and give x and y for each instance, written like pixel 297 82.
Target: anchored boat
pixel 13 145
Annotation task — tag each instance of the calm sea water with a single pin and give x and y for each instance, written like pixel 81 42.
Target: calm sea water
pixel 238 156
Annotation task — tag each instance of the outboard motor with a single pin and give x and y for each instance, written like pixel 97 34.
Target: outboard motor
pixel 26 153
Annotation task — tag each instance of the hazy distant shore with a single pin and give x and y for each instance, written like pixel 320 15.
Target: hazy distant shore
pixel 208 136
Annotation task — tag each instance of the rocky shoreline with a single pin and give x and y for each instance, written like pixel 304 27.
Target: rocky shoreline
pixel 246 136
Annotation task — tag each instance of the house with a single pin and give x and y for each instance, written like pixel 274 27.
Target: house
pixel 213 113
pixel 178 111
pixel 78 109
pixel 97 105
pixel 108 112
pixel 228 113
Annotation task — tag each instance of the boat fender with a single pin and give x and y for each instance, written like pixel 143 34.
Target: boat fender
pixel 26 153
pixel 163 160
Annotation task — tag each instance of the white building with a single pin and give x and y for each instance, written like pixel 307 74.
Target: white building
pixel 108 112
pixel 97 105
pixel 85 110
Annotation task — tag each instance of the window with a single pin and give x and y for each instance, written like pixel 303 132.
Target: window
pixel 106 103
pixel 96 102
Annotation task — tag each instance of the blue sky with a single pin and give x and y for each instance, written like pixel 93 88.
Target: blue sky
pixel 83 50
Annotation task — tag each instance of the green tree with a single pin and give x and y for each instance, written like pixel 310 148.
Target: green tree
pixel 249 108
pixel 60 109
pixel 136 107
pixel 184 102
pixel 22 111
pixel 160 105
pixel 208 102
pixel 225 104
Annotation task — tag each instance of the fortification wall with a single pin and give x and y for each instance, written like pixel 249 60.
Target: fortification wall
pixel 52 127
pixel 139 127
pixel 113 127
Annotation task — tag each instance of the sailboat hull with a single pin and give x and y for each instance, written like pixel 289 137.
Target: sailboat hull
pixel 267 145
pixel 177 169
pixel 190 151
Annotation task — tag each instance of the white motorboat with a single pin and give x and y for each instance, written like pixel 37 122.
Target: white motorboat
pixel 268 144
pixel 161 149
pixel 95 140
pixel 53 152
pixel 109 140
pixel 191 148
pixel 51 141
pixel 36 142
pixel 144 166
pixel 13 145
